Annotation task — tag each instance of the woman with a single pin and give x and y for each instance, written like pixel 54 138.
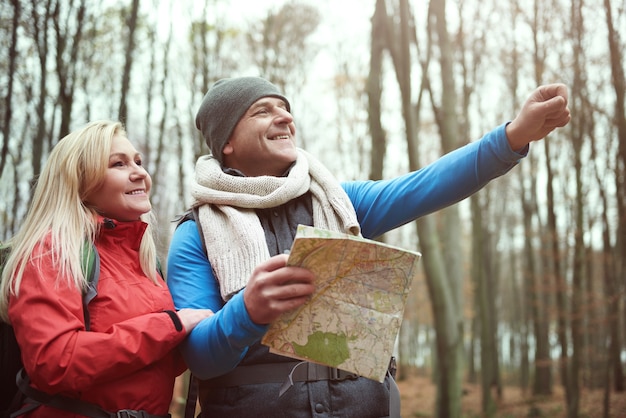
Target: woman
pixel 94 189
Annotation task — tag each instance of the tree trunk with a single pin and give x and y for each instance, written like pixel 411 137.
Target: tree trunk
pixel 161 134
pixel 444 302
pixel 452 257
pixel 374 90
pixel 483 295
pixel 577 136
pixel 66 61
pixel 40 27
pixel 448 338
pixel 128 61
pixel 554 269
pixel 535 293
pixel 448 341
pixel 6 129
pixel 619 85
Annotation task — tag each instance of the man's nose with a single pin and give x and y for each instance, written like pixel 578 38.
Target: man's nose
pixel 283 116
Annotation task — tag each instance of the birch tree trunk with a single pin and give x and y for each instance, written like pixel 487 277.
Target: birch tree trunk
pixel 619 86
pixel 578 130
pixel 6 128
pixel 445 301
pixel 68 45
pixel 40 24
pixel 374 90
pixel 128 61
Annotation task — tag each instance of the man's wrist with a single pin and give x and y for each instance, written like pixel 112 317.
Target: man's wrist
pixel 515 138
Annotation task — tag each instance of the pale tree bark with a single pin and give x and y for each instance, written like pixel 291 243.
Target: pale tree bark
pixel 619 86
pixel 578 130
pixel 374 90
pixel 470 44
pixel 530 307
pixel 381 39
pixel 129 57
pixel 150 88
pixel 201 56
pixel 40 22
pixel 161 134
pixel 68 45
pixel 535 293
pixel 211 58
pixel 610 291
pixel 447 120
pixel 483 296
pixel 8 109
pixel 444 300
pixel 8 218
pixel 552 267
pixel 450 275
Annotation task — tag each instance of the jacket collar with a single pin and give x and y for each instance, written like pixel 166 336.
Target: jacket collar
pixel 122 232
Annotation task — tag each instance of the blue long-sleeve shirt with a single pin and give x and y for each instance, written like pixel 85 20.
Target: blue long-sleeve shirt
pixel 219 343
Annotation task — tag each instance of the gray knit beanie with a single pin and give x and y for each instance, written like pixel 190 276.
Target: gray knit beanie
pixel 225 103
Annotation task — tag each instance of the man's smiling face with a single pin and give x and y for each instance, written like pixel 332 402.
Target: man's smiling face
pixel 263 141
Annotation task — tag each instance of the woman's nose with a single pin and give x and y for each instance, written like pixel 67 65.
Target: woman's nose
pixel 139 172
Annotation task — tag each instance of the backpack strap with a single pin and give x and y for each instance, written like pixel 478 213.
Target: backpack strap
pixel 91 270
pixel 192 397
pixel 192 215
pixel 192 387
pixel 57 401
pixel 394 391
pixel 76 406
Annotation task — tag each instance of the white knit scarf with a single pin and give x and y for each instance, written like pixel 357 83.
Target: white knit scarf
pixel 233 234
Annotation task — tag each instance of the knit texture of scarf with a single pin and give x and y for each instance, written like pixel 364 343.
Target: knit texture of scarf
pixel 234 237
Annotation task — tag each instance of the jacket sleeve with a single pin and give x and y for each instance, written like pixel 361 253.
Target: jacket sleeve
pixel 60 355
pixel 219 342
pixel 387 204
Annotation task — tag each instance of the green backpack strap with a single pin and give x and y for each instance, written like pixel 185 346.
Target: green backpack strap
pixel 160 268
pixel 90 264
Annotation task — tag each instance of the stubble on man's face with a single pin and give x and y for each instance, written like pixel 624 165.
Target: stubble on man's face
pixel 263 141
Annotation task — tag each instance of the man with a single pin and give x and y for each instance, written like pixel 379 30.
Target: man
pixel 251 194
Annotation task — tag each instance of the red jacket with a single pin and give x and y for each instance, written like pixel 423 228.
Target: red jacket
pixel 128 360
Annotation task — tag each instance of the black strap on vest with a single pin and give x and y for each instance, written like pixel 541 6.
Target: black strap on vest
pixel 289 372
pixel 284 372
pixel 36 397
pixel 192 397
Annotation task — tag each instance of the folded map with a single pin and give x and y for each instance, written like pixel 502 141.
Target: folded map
pixel 352 320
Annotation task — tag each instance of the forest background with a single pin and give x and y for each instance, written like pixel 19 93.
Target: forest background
pixel 521 285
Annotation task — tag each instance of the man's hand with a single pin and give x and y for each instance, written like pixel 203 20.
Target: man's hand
pixel 275 288
pixel 545 110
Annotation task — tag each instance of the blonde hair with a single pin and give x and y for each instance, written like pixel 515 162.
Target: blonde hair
pixel 75 168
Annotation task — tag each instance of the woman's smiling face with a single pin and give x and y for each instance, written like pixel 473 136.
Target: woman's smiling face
pixel 125 192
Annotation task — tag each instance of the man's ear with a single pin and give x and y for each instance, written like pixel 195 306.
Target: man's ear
pixel 228 149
